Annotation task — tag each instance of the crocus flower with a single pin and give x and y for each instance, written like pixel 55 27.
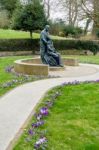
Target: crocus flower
pixel 30 131
pixel 37 124
pixel 40 142
pixel 8 69
pixel 44 111
pixel 38 116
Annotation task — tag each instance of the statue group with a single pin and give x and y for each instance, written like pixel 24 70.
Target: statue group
pixel 47 51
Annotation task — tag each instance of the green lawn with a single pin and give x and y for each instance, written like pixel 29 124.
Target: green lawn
pixel 73 122
pixel 12 34
pixel 7 61
pixel 7 77
pixel 85 59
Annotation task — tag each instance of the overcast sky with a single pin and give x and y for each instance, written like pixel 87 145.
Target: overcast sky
pixel 57 13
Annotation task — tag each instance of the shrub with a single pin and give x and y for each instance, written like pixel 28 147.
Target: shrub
pixel 78 32
pixel 28 44
pixel 93 46
pixel 68 30
pixel 19 45
pixel 57 27
pixel 73 31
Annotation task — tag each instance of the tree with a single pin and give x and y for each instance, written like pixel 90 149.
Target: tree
pixel 29 17
pixel 96 16
pixel 8 5
pixel 91 9
pixel 71 8
pixel 48 6
pixel 4 20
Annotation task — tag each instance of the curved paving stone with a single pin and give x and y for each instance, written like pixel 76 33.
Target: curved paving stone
pixel 17 105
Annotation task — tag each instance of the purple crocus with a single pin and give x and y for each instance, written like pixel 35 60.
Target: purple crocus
pixel 8 69
pixel 97 81
pixel 39 116
pixel 44 111
pixel 38 124
pixel 30 131
pixel 40 142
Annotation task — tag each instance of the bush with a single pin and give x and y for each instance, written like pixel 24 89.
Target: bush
pixel 73 31
pixel 19 45
pixel 57 27
pixel 78 32
pixel 28 44
pixel 93 46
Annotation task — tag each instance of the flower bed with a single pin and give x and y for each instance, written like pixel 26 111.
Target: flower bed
pixel 36 136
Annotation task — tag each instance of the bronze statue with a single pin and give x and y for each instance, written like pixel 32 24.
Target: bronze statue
pixel 47 50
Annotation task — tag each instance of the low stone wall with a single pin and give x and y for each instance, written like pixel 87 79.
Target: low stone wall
pixel 70 62
pixel 30 68
pixel 33 61
pixel 34 66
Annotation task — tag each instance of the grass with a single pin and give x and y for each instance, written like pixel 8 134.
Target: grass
pixel 73 123
pixel 13 34
pixel 88 37
pixel 85 58
pixel 4 76
pixel 7 61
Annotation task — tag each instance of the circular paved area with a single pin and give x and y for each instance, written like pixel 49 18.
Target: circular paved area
pixel 76 71
pixel 18 105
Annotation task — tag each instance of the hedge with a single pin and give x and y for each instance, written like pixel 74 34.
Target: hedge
pixel 19 44
pixel 28 44
pixel 93 46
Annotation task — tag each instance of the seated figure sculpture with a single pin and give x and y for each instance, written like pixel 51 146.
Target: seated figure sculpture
pixel 53 54
pixel 48 53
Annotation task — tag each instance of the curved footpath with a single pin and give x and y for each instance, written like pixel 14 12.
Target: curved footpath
pixel 18 105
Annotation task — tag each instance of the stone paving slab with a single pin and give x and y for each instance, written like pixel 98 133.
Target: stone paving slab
pixel 17 105
pixel 71 71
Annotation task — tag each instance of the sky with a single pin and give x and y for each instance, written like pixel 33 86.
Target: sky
pixel 57 13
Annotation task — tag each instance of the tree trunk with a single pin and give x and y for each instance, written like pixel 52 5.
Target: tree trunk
pixel 70 11
pixel 48 9
pixel 31 35
pixel 96 16
pixel 73 12
pixel 87 25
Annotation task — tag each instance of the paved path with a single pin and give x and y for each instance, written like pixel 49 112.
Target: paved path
pixel 81 70
pixel 17 105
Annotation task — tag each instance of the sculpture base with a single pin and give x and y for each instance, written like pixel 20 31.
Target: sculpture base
pixel 34 66
pixel 56 68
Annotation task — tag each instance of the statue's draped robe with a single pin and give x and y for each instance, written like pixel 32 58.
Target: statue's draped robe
pixel 47 51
